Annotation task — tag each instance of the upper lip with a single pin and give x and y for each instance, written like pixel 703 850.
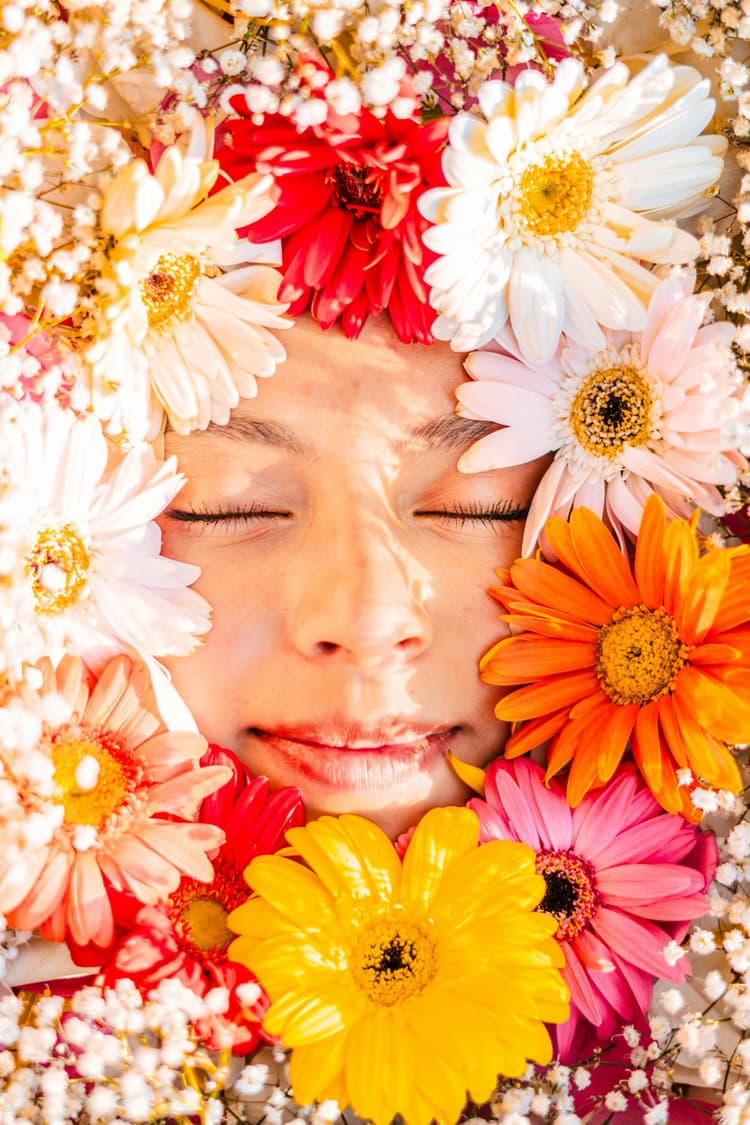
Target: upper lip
pixel 348 734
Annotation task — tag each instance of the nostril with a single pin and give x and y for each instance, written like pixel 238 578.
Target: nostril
pixel 327 647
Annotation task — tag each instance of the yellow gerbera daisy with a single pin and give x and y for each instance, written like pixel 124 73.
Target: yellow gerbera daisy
pixel 403 987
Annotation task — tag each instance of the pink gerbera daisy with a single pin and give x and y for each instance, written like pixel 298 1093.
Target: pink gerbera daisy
pixel 347 212
pixel 651 411
pixel 623 877
pixel 122 781
pixel 187 936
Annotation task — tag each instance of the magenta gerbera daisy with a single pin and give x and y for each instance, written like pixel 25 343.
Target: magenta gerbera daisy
pixel 346 212
pixel 186 935
pixel 624 879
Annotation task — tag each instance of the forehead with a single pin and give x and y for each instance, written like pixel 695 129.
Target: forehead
pixel 375 380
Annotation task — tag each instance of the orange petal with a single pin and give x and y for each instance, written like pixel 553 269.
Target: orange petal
pixel 572 740
pixel 654 763
pixel 738 637
pixel 711 762
pixel 681 555
pixel 542 583
pixel 553 627
pixel 735 609
pixel 646 742
pixel 698 603
pixel 548 695
pixel 582 777
pixel 601 563
pixel 649 553
pixel 715 705
pixel 531 735
pixel 703 655
pixel 526 658
pixel 613 739
pixel 672 736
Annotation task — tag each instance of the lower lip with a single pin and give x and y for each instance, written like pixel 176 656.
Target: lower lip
pixel 372 768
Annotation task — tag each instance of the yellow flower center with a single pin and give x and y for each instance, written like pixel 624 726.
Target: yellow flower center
pixel 571 895
pixel 555 196
pixel 612 409
pixel 167 292
pixel 393 960
pixel 205 924
pixel 93 774
pixel 639 655
pixel 57 565
pixel 199 911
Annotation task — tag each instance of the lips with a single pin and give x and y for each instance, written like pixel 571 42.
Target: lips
pixel 346 735
pixel 347 756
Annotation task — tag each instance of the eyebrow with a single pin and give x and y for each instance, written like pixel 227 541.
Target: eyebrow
pixel 447 432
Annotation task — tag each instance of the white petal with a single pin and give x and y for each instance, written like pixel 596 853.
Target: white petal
pixel 537 305
pixel 494 98
pixel 666 180
pixel 610 301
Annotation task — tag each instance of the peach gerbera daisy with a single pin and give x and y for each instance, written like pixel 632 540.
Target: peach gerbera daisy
pixel 657 654
pixel 118 773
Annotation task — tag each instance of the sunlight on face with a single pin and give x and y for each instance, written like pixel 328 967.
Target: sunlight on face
pixel 347 561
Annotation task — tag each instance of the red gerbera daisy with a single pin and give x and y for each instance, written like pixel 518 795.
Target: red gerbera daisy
pixel 347 212
pixel 187 935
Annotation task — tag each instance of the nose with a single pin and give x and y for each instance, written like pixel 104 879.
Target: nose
pixel 363 598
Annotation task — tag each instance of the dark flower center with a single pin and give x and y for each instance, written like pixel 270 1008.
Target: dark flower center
pixel 392 960
pixel 357 189
pixel 571 895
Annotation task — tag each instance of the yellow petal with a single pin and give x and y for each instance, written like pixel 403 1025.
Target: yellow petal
pixel 351 855
pixel 441 838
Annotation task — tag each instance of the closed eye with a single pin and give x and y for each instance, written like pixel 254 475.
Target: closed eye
pixel 226 515
pixel 503 511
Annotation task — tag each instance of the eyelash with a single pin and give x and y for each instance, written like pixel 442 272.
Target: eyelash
pixel 502 511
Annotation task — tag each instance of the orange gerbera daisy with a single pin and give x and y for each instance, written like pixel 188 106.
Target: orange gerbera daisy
pixel 657 654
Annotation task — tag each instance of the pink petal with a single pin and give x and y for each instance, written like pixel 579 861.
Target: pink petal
pixel 506 448
pixel 184 845
pixel 640 842
pixel 495 367
pixel 48 892
pixel 636 884
pixel 169 753
pixel 599 817
pixel 578 980
pixel 552 497
pixel 183 794
pixel 89 909
pixel 135 867
pixel 637 942
pixel 508 406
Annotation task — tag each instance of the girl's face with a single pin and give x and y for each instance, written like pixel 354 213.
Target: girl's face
pixel 347 562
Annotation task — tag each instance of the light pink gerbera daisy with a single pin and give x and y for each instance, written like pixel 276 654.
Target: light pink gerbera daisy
pixel 122 781
pixel 658 410
pixel 623 877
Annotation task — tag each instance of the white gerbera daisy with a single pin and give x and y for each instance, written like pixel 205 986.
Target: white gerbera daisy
pixel 90 577
pixel 545 219
pixel 653 411
pixel 174 334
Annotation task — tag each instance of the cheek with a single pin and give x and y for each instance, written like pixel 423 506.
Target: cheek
pixel 247 620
